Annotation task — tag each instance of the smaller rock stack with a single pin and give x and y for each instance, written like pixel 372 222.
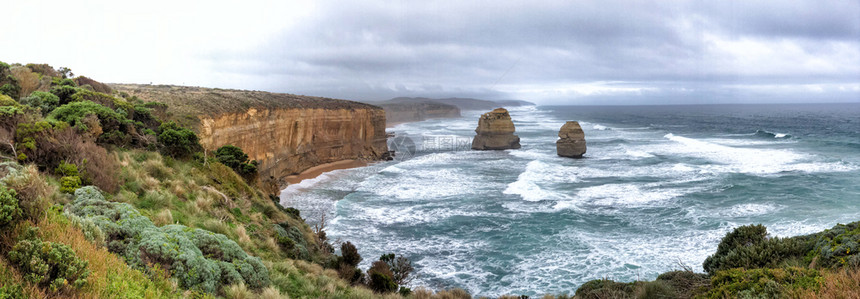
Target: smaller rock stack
pixel 495 132
pixel 572 142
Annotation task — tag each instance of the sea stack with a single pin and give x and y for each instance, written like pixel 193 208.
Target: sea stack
pixel 572 142
pixel 495 132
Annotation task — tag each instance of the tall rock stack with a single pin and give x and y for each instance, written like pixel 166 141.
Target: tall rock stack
pixel 495 132
pixel 572 142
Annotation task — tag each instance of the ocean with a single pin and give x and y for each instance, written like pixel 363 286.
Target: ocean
pixel 657 190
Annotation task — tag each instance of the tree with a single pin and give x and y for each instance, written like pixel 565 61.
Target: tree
pixel 400 267
pixel 177 141
pixel 235 158
pixel 66 72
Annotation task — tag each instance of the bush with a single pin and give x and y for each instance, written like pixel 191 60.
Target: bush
pixel 198 259
pixel 604 288
pixel 685 283
pixel 177 141
pixel 45 101
pixel 48 264
pixel 64 93
pixel 235 158
pixel 762 283
pixel 400 267
pixel 75 113
pixel 292 241
pixel 750 247
pixel 68 184
pixel 350 254
pixel 8 101
pixel 31 188
pixel 380 278
pixel 9 209
pixel 838 246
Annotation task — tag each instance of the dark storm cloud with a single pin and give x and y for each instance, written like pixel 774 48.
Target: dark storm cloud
pixel 380 49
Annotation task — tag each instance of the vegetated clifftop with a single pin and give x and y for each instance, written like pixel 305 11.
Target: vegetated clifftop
pixel 286 133
pixel 464 103
pixel 400 112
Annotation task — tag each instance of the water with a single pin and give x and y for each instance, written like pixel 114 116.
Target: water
pixel 659 187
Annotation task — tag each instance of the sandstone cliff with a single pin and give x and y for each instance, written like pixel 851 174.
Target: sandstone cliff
pixel 285 133
pixel 572 142
pixel 495 131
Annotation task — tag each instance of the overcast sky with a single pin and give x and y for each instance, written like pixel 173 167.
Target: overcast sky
pixel 549 52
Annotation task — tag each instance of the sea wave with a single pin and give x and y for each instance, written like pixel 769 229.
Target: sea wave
pixel 766 134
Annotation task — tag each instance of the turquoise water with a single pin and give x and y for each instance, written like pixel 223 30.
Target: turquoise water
pixel 659 187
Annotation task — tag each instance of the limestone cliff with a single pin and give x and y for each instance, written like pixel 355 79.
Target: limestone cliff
pixel 572 140
pixel 495 131
pixel 285 133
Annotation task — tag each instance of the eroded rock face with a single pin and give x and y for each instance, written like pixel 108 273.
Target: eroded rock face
pixel 572 142
pixel 495 132
pixel 288 141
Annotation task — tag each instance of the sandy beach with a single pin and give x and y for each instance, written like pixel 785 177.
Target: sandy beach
pixel 323 168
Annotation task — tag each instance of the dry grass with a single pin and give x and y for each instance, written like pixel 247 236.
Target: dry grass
pixel 842 284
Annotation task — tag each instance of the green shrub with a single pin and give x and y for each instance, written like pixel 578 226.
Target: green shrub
pixel 177 141
pixel 292 241
pixel 45 101
pixel 198 259
pixel 235 158
pixel 838 246
pixel 11 89
pixel 350 254
pixel 48 264
pixel 762 283
pixel 400 267
pixel 12 291
pixel 68 184
pixel 9 209
pixel 64 93
pixel 750 247
pixel 65 82
pixel 685 283
pixel 8 101
pixel 380 278
pixel 604 288
pixel 75 113
pixel 66 169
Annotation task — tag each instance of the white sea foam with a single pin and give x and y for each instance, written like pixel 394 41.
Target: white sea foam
pixel 537 173
pixel 749 209
pixel 625 195
pixel 736 159
pixel 600 128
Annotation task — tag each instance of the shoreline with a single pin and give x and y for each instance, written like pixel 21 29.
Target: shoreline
pixel 316 171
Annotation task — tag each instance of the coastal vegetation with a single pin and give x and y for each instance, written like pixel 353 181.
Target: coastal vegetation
pixel 104 195
pixel 749 263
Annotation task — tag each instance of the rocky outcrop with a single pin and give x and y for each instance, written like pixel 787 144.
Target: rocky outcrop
pixel 572 142
pixel 495 132
pixel 286 133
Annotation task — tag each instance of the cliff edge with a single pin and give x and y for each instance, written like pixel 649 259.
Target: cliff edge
pixel 286 133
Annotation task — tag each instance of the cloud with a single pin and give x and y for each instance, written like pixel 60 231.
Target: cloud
pixel 548 51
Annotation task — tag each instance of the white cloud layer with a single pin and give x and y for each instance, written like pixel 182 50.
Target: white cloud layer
pixel 552 52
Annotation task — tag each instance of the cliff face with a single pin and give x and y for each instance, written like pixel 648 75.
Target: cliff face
pixel 287 141
pixel 286 133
